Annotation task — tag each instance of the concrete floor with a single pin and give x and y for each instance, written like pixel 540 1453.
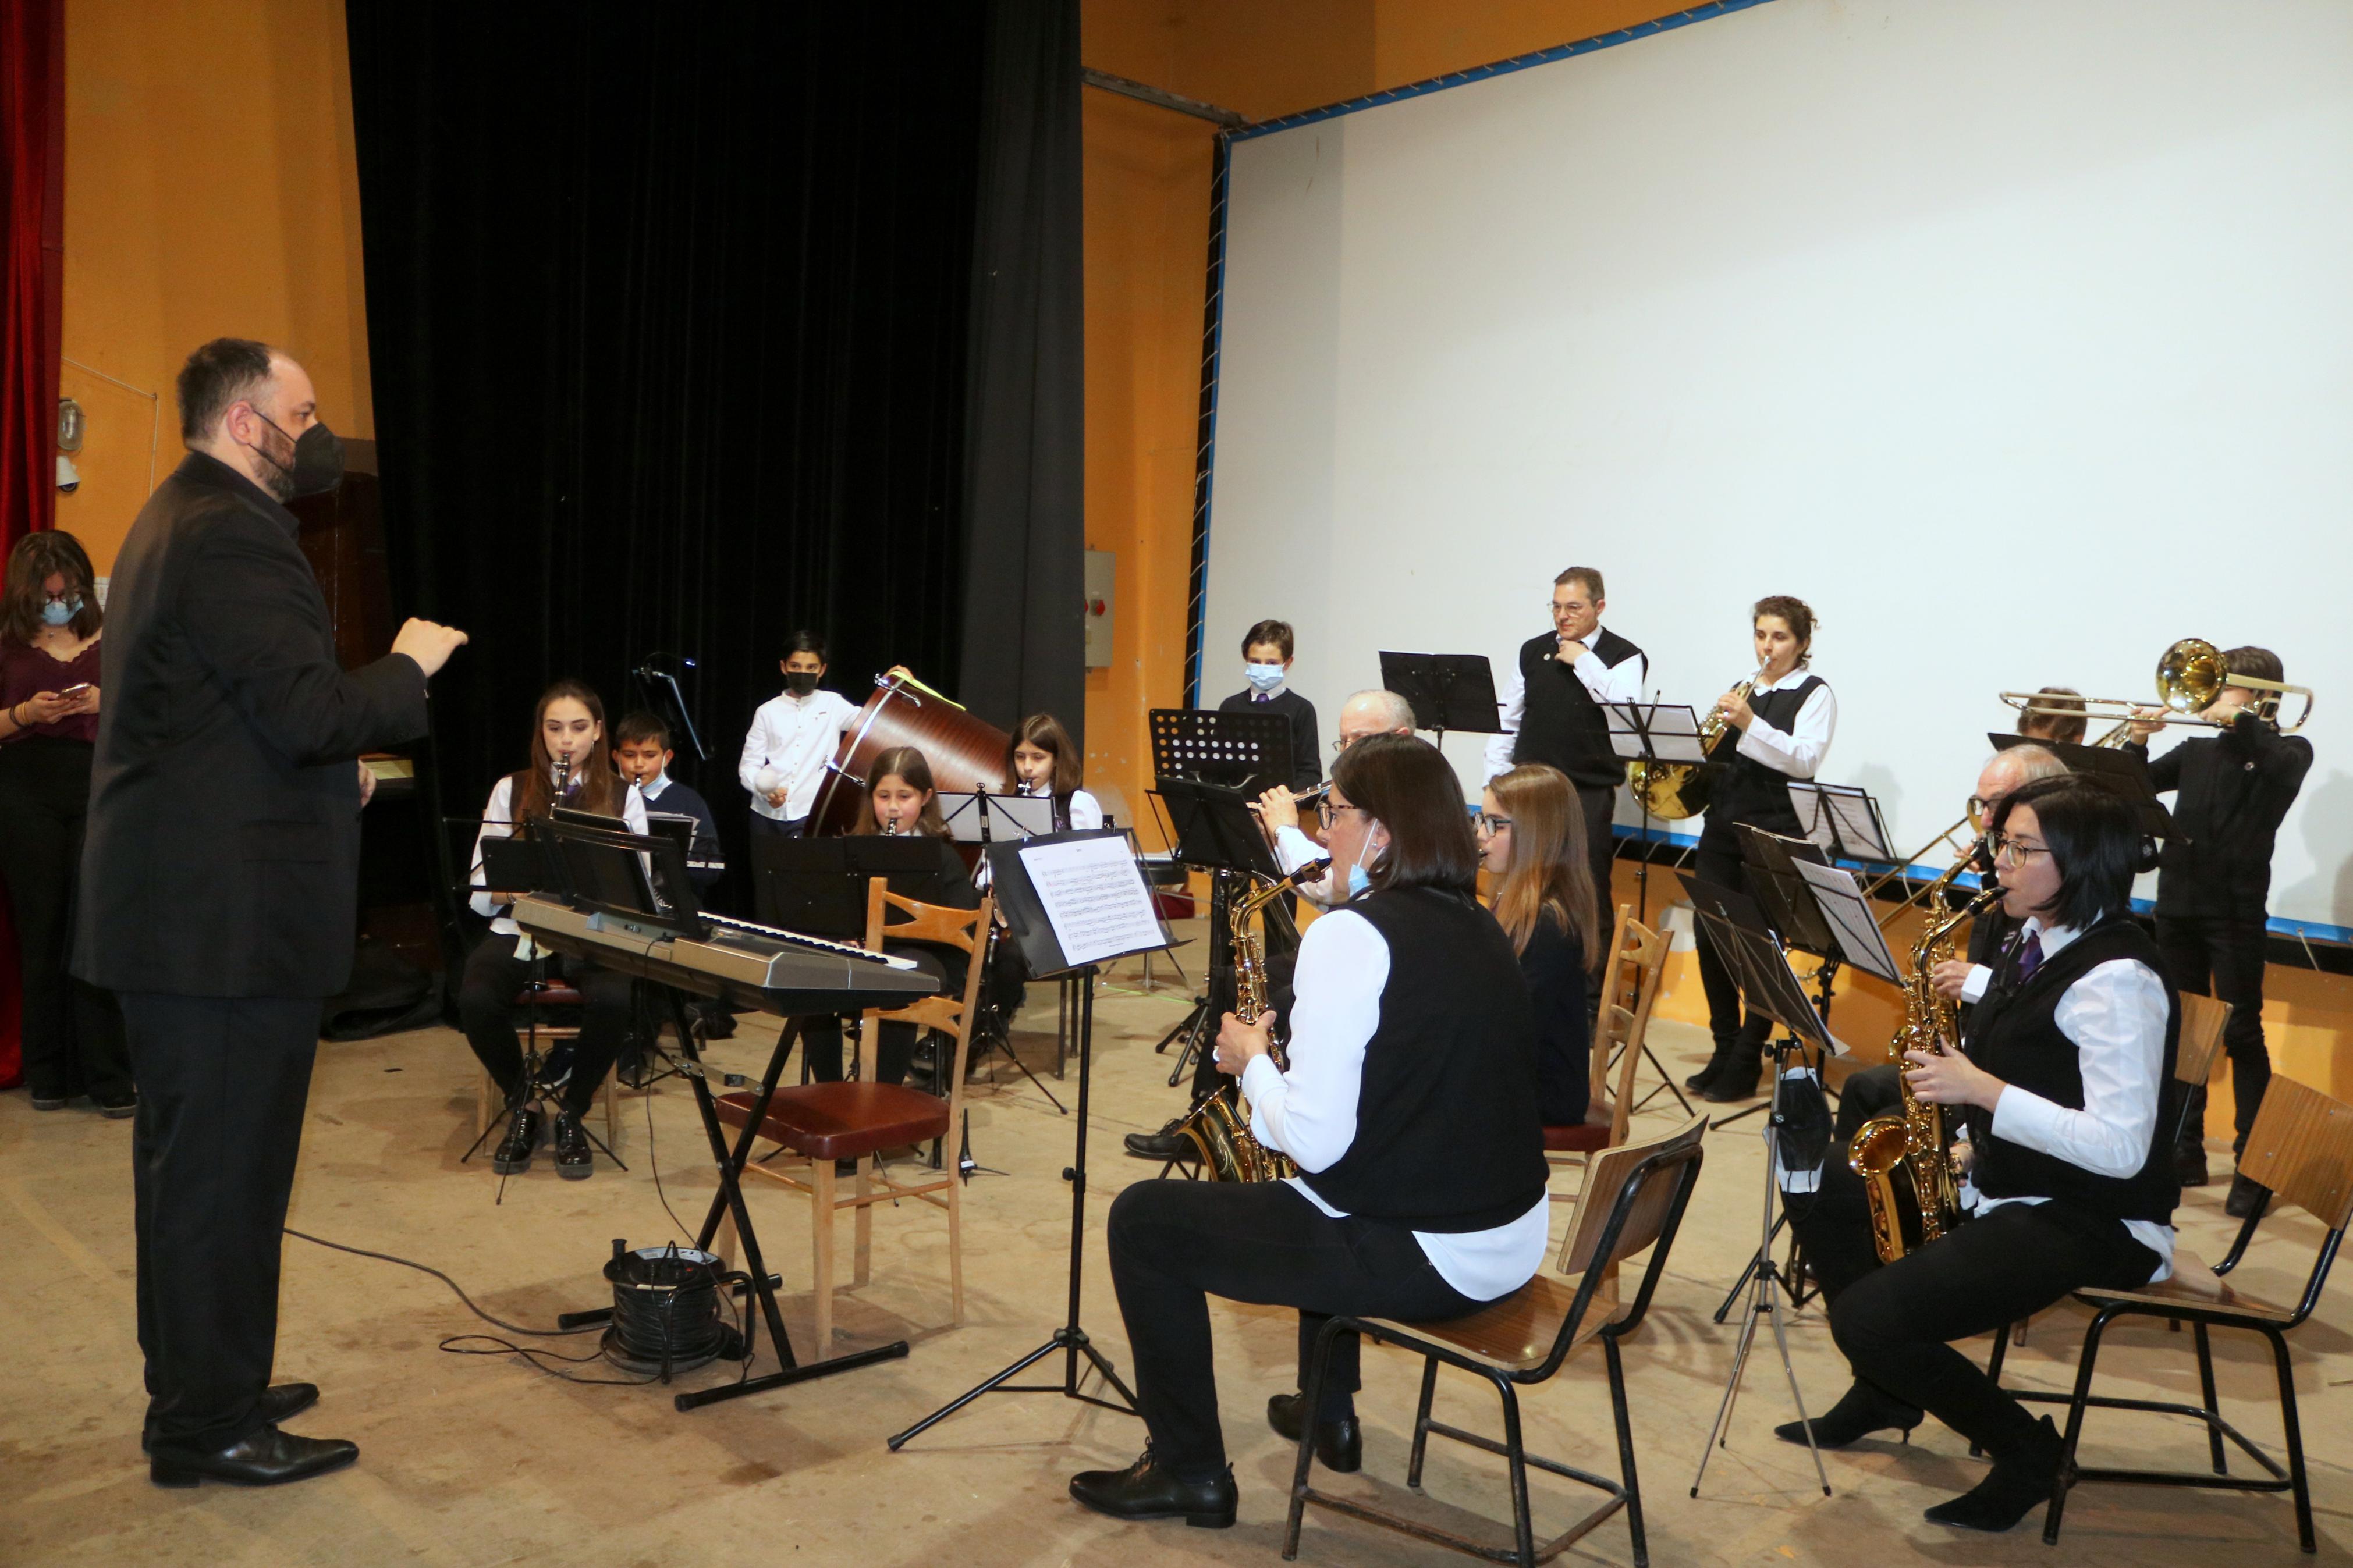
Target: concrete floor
pixel 484 1460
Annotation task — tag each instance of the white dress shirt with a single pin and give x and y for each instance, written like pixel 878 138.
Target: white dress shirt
pixel 2116 1015
pixel 1799 750
pixel 1086 812
pixel 1310 1111
pixel 1621 682
pixel 1293 850
pixel 498 818
pixel 791 741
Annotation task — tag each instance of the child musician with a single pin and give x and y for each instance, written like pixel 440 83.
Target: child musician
pixel 642 753
pixel 900 800
pixel 1531 830
pixel 2213 885
pixel 1040 759
pixel 570 766
pixel 1266 663
pixel 793 737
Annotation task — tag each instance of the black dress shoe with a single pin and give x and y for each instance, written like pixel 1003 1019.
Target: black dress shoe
pixel 278 1401
pixel 51 1101
pixel 1166 1144
pixel 512 1157
pixel 2246 1196
pixel 117 1106
pixel 1339 1443
pixel 576 1160
pixel 1738 1080
pixel 269 1457
pixel 1146 1489
pixel 1859 1412
pixel 2189 1165
pixel 2012 1488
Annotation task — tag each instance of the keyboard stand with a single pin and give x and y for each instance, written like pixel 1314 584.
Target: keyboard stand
pixel 729 1200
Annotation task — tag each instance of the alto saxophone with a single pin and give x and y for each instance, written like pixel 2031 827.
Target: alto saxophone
pixel 1914 1137
pixel 1218 1127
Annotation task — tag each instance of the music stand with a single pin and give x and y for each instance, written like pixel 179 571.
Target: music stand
pixel 1846 908
pixel 1759 959
pixel 981 817
pixel 1246 748
pixel 2126 772
pixel 1069 896
pixel 818 885
pixel 1650 733
pixel 1843 820
pixel 1448 692
pixel 1216 831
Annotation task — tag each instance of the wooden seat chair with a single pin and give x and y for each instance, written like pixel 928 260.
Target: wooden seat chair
pixel 536 999
pixel 2301 1149
pixel 1630 983
pixel 1634 1198
pixel 855 1119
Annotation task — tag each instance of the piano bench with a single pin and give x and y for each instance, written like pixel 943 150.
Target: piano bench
pixel 845 1120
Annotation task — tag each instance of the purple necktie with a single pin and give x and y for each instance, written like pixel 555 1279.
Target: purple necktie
pixel 2030 956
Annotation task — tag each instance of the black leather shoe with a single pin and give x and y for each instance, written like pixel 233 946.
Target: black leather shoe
pixel 269 1457
pixel 1164 1144
pixel 514 1151
pixel 576 1160
pixel 1146 1490
pixel 2189 1165
pixel 279 1402
pixel 116 1107
pixel 51 1101
pixel 1339 1443
pixel 1738 1080
pixel 1859 1412
pixel 1697 1083
pixel 2246 1196
pixel 2012 1488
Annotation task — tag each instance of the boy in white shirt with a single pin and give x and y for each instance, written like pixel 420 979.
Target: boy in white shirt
pixel 793 737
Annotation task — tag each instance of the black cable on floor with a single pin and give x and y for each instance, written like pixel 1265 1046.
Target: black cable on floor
pixel 459 1289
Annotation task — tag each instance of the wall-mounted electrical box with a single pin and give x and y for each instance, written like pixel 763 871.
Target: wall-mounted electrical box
pixel 1099 580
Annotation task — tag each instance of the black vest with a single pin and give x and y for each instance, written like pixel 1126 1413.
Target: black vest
pixel 2014 1034
pixel 1561 724
pixel 1448 1135
pixel 1748 790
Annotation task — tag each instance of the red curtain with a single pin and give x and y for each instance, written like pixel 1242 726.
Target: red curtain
pixel 32 307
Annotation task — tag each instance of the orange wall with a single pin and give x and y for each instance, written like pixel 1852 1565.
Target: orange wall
pixel 210 190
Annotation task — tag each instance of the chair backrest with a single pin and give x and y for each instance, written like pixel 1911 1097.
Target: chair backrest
pixel 2203 1018
pixel 1610 1025
pixel 1633 1197
pixel 1647 951
pixel 2301 1147
pixel 966 929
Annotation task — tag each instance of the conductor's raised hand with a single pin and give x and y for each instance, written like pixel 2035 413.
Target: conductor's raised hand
pixel 1238 1042
pixel 429 644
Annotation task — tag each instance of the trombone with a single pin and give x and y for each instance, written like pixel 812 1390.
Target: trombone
pixel 2190 675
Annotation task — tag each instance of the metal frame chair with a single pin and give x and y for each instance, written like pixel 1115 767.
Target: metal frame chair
pixel 1634 1198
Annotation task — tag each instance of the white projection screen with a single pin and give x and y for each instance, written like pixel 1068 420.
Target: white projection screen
pixel 2014 335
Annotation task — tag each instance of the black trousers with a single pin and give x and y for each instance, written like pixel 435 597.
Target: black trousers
pixel 1895 1322
pixel 1174 1243
pixel 222 1084
pixel 2216 956
pixel 73 1032
pixel 894 1041
pixel 1600 802
pixel 1720 863
pixel 495 976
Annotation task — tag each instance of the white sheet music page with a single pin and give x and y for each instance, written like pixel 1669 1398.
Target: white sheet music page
pixel 1098 901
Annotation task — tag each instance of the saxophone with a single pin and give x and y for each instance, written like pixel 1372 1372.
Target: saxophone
pixel 1914 1138
pixel 1218 1128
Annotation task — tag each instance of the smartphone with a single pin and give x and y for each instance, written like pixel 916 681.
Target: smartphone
pixel 75 690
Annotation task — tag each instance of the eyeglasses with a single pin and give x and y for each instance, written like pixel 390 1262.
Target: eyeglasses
pixel 2008 851
pixel 1326 813
pixel 1488 825
pixel 1558 611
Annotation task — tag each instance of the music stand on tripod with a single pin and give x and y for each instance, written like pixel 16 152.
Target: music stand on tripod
pixel 1650 733
pixel 1073 901
pixel 1447 691
pixel 1761 965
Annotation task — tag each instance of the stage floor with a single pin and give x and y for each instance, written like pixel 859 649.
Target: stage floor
pixel 481 1461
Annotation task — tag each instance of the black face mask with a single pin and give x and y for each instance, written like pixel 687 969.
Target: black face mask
pixel 800 682
pixel 318 466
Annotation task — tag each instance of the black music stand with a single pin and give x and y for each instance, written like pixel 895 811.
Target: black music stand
pixel 1448 692
pixel 2126 772
pixel 1214 831
pixel 604 873
pixel 1246 748
pixel 1843 820
pixel 818 885
pixel 1064 902
pixel 1650 733
pixel 983 816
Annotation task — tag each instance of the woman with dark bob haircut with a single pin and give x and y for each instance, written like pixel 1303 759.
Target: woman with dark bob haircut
pixel 1409 1107
pixel 2060 1089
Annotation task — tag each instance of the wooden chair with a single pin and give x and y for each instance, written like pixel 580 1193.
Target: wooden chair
pixel 2301 1148
pixel 854 1119
pixel 1630 988
pixel 537 999
pixel 1634 1198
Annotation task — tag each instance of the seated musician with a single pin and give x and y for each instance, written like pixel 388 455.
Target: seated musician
pixel 2060 1092
pixel 1410 1103
pixel 1040 759
pixel 900 800
pixel 570 766
pixel 2065 726
pixel 1531 830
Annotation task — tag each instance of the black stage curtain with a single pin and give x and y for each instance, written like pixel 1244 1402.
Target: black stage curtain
pixel 669 313
pixel 1024 612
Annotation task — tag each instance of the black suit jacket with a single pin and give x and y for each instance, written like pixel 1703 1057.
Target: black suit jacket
pixel 222 856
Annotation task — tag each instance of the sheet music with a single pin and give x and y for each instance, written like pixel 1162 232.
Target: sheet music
pixel 1843 904
pixel 1841 819
pixel 1099 903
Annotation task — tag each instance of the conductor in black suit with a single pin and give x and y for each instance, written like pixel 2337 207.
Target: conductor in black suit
pixel 219 888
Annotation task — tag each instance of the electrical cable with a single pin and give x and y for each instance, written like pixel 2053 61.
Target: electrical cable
pixel 454 1286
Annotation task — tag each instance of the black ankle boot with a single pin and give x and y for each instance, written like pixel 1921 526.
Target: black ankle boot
pixel 514 1151
pixel 1148 1490
pixel 1697 1083
pixel 1737 1079
pixel 2018 1482
pixel 1339 1443
pixel 1859 1412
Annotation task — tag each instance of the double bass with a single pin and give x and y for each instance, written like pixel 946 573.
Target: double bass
pixel 966 752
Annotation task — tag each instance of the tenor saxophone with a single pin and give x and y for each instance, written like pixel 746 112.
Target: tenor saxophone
pixel 1218 1127
pixel 1913 1139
